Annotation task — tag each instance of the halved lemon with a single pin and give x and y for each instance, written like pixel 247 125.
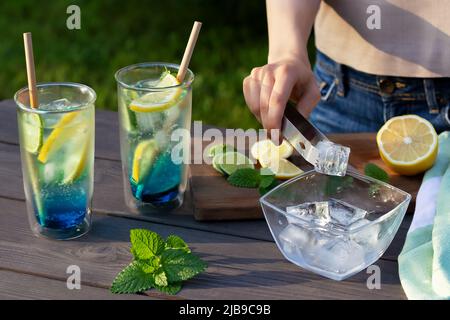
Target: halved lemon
pixel 158 100
pixel 408 144
pixel 284 169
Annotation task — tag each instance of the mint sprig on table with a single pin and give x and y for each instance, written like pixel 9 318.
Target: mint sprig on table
pixel 252 178
pixel 157 263
pixel 374 171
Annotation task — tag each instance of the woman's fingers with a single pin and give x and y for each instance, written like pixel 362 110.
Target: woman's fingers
pixel 267 84
pixel 268 88
pixel 252 90
pixel 309 99
pixel 284 83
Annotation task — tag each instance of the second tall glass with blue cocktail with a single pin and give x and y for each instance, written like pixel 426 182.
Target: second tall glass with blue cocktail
pixel 57 151
pixel 155 120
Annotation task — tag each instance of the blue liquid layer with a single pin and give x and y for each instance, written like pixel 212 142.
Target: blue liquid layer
pixel 62 208
pixel 162 183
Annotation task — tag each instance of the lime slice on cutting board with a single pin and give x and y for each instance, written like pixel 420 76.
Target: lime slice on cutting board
pixel 33 132
pixel 158 100
pixel 143 160
pixel 220 148
pixel 229 162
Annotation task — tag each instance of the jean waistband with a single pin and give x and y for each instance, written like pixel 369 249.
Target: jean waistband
pixel 435 91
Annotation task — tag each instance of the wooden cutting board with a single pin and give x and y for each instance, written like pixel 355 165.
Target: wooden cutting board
pixel 215 199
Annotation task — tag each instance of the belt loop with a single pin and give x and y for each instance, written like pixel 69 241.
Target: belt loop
pixel 339 79
pixel 430 95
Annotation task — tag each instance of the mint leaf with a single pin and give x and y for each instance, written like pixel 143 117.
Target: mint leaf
pixel 132 280
pixel 171 288
pixel 157 264
pixel 175 242
pixel 335 184
pixel 245 178
pixel 160 278
pixel 180 265
pixel 263 190
pixel 266 181
pixel 145 244
pixel 374 171
pixel 150 265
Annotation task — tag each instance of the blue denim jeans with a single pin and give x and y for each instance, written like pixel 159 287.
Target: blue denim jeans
pixel 354 101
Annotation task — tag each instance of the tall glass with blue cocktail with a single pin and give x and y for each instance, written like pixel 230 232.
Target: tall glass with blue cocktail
pixel 57 151
pixel 155 120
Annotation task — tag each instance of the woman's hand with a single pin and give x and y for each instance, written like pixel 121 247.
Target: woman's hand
pixel 268 88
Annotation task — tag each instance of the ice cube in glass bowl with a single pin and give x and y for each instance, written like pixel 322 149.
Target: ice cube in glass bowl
pixel 362 217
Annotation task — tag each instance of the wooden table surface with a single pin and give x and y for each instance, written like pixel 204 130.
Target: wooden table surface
pixel 244 262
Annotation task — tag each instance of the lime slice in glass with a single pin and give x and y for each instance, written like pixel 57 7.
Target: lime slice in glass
pixel 33 131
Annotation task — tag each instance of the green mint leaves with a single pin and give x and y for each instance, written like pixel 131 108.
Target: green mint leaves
pixel 245 178
pixel 374 171
pixel 158 263
pixel 132 279
pixel 145 244
pixel 252 178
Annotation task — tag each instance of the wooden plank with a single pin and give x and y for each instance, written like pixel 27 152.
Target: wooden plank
pixel 108 199
pixel 22 286
pixel 238 268
pixel 208 200
pixel 108 195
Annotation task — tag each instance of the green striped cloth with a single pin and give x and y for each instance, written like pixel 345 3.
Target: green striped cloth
pixel 424 263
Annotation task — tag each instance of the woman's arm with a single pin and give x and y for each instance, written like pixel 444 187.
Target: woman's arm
pixel 288 72
pixel 290 23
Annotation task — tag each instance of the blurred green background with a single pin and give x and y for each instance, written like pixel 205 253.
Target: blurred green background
pixel 117 33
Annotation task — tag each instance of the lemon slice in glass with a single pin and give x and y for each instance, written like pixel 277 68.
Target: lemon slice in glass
pixel 144 157
pixel 59 135
pixel 75 163
pixel 159 100
pixel 68 146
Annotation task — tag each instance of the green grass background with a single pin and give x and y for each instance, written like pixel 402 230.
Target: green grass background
pixel 117 33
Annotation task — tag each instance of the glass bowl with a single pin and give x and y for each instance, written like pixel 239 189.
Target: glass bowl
pixel 334 226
